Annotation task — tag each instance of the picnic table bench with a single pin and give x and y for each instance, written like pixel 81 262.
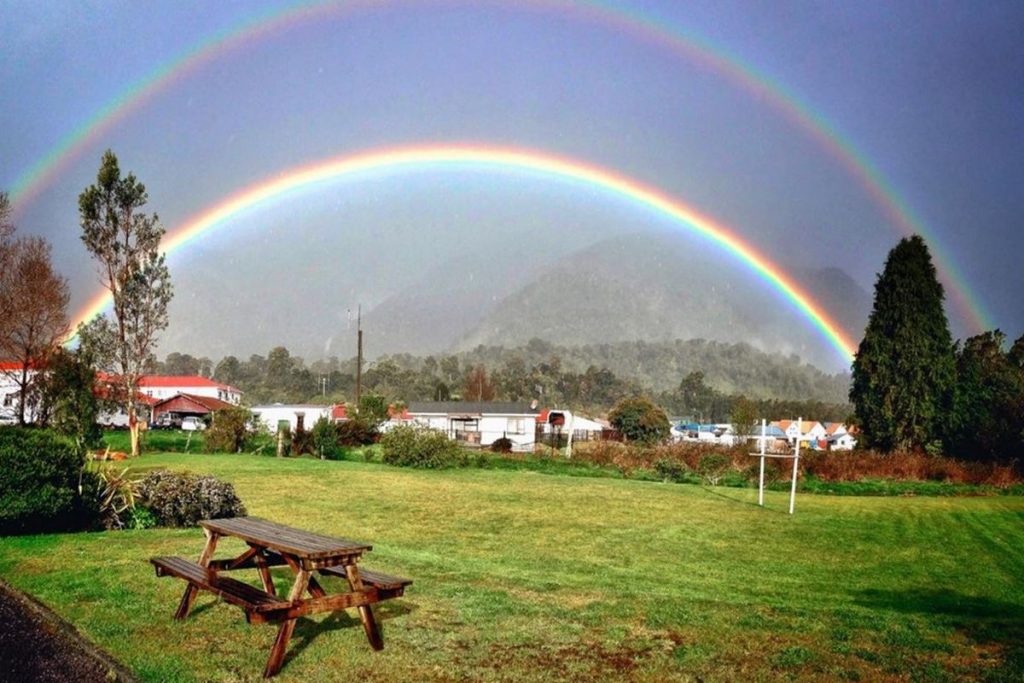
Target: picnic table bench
pixel 272 545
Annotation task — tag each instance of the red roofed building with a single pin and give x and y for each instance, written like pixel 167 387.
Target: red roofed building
pixel 166 386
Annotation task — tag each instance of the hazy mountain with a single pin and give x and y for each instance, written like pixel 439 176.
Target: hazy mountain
pixel 639 287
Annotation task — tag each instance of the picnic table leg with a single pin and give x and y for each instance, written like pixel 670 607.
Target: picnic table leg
pixel 264 570
pixel 365 611
pixel 313 586
pixel 284 631
pixel 185 606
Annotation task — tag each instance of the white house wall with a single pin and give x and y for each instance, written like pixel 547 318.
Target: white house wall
pixel 270 416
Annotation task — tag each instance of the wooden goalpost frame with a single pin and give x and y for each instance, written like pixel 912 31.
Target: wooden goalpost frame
pixel 795 457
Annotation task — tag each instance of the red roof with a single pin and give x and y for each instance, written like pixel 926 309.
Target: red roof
pixel 176 402
pixel 11 366
pixel 338 412
pixel 180 381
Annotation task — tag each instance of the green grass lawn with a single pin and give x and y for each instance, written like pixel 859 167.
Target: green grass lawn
pixel 526 576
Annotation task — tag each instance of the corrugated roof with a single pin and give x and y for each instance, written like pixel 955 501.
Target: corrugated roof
pixel 472 407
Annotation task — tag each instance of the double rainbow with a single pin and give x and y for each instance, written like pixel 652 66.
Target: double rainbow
pixel 644 25
pixel 440 157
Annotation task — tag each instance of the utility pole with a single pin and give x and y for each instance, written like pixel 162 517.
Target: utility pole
pixel 359 355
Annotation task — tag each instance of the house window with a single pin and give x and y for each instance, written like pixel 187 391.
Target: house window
pixel 517 425
pixel 9 400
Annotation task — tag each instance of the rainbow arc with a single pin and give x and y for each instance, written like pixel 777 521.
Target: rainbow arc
pixel 440 157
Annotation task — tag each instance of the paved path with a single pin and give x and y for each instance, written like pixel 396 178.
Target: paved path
pixel 37 645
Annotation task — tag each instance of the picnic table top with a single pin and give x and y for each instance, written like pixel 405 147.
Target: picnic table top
pixel 286 539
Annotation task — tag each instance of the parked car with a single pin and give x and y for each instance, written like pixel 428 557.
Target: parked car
pixel 166 421
pixel 193 424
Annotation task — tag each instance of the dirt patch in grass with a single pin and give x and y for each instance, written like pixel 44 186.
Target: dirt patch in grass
pixel 37 645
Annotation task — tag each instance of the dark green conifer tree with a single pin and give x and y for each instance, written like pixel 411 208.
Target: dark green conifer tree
pixel 905 366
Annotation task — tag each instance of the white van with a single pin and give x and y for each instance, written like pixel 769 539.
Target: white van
pixel 193 424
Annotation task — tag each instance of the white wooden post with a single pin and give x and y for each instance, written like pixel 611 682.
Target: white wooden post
pixel 568 443
pixel 760 489
pixel 796 463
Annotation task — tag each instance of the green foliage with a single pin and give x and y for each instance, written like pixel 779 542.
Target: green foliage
pixel 40 478
pixel 302 441
pixel 713 466
pixel 69 397
pixel 125 241
pixel 373 408
pixel 357 431
pixel 324 436
pixel 639 419
pixel 987 421
pixel 232 431
pixel 904 370
pixel 182 499
pixel 671 470
pixel 502 445
pixel 412 446
pixel 744 416
pixel 116 492
pixel 586 378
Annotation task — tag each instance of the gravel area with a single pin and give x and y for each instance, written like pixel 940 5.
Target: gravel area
pixel 37 645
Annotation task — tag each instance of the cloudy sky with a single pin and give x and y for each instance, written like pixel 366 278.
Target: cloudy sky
pixel 816 131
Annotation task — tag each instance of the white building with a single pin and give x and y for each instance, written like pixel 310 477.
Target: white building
pixel 550 421
pixel 161 387
pixel 10 393
pixel 839 437
pixel 274 414
pixel 808 432
pixel 476 423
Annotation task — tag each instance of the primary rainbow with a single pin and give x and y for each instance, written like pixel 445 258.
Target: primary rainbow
pixel 394 160
pixel 645 25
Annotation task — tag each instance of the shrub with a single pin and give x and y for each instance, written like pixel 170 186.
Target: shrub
pixel 302 441
pixel 183 499
pixel 601 453
pixel 41 480
pixel 411 446
pixel 713 466
pixel 502 445
pixel 671 470
pixel 639 419
pixel 230 432
pixel 325 438
pixel 357 431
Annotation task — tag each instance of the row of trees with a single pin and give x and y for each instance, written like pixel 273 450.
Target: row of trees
pixel 124 241
pixel 914 388
pixel 279 376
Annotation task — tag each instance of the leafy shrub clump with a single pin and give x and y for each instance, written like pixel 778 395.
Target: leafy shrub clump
pixel 502 445
pixel 671 470
pixel 411 446
pixel 712 467
pixel 232 431
pixel 182 499
pixel 324 436
pixel 41 480
pixel 357 431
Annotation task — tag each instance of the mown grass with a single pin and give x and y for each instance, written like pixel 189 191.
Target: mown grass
pixel 520 576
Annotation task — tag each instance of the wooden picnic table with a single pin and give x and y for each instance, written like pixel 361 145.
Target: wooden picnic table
pixel 271 544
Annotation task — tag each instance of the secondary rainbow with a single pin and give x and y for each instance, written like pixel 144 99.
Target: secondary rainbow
pixel 435 157
pixel 645 25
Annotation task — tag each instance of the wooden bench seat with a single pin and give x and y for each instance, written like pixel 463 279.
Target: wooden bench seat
pixel 249 598
pixel 378 580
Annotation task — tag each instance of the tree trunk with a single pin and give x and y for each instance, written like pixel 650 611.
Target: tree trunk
pixel 133 428
pixel 23 395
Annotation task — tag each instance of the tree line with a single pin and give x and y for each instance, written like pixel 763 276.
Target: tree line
pixel 282 377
